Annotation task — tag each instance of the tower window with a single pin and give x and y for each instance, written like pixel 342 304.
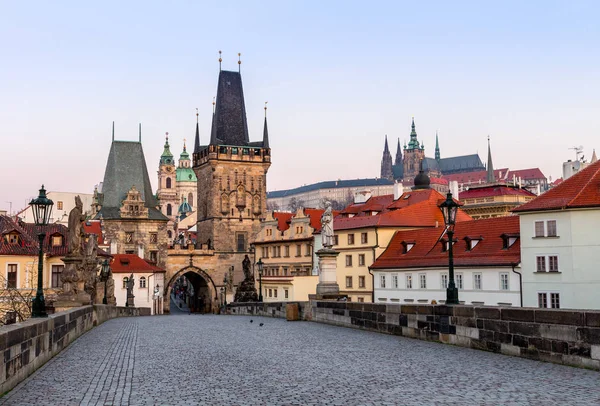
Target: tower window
pixel 169 209
pixel 191 199
pixel 168 183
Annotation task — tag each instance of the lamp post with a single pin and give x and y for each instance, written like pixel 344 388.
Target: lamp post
pixel 41 207
pixel 449 209
pixel 225 290
pixel 104 274
pixel 260 271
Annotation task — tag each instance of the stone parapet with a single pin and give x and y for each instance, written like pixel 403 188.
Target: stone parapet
pixel 270 309
pixel 570 337
pixel 28 345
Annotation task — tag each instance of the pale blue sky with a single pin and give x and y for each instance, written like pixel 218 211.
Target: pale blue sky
pixel 338 76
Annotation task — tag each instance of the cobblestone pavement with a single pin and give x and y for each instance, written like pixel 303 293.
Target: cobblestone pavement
pixel 226 360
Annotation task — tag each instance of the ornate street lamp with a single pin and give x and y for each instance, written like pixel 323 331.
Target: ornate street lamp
pixel 104 275
pixel 42 208
pixel 449 209
pixel 260 273
pixel 225 290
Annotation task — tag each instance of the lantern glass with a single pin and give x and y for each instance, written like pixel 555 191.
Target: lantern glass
pixel 449 210
pixel 41 208
pixel 260 266
pixel 105 268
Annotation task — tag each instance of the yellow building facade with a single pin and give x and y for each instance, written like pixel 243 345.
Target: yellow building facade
pixel 286 245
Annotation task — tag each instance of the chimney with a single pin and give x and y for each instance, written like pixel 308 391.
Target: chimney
pixel 141 251
pixel 453 185
pixel 398 190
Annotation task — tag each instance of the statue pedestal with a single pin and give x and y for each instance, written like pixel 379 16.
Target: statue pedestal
pixel 246 292
pixel 130 301
pixel 327 288
pixel 74 294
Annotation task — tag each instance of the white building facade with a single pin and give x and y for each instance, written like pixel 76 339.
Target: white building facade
pixel 560 246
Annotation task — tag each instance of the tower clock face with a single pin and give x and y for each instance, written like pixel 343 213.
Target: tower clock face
pixel 169 169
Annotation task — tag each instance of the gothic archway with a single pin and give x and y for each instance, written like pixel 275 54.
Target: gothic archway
pixel 200 290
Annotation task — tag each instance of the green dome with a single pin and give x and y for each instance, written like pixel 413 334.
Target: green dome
pixel 185 175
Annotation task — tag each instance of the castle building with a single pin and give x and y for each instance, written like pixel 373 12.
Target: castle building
pixel 406 165
pixel 177 186
pixel 132 222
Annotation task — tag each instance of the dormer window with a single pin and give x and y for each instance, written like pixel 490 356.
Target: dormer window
pixel 407 246
pixel 472 242
pixel 12 238
pixel 445 245
pixel 508 240
pixel 57 240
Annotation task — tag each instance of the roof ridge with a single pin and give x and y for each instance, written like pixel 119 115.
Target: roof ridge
pixel 586 184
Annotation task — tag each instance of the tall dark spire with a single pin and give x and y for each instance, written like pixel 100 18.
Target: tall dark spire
pixel 113 131
pixel 266 131
pixel 386 163
pixel 398 160
pixel 229 125
pixel 197 139
pixel 490 166
pixel 437 148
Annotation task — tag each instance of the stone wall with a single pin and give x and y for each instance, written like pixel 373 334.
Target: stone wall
pixel 28 345
pixel 569 337
pixel 271 309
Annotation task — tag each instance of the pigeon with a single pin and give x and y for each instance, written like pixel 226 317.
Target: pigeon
pixel 261 324
pixel 251 320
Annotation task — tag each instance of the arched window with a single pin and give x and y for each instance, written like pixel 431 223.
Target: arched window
pixel 169 209
pixel 168 183
pixel 125 280
pixel 191 199
pixel 170 233
pixel 143 282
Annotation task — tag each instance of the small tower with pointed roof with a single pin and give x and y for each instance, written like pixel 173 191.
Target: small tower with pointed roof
pixel 167 186
pixel 398 160
pixel 386 162
pixel 187 183
pixel 437 148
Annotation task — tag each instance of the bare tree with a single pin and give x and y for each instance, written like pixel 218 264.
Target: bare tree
pixel 295 204
pixel 272 206
pixel 15 301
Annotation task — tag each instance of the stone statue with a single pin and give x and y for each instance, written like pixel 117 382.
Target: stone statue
pixel 327 226
pixel 246 267
pixel 156 292
pixel 76 233
pixel 130 296
pixel 245 291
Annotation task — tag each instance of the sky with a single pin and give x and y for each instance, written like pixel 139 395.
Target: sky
pixel 338 76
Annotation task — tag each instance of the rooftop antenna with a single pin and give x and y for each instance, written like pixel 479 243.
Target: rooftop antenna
pixel 140 132
pixel 220 60
pixel 239 62
pixel 113 131
pixel 578 151
pixel 266 109
pixel 196 115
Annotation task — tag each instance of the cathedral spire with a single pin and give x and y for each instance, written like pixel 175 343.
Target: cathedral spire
pixel 387 171
pixel 197 139
pixel 437 147
pixel 414 142
pixel 398 160
pixel 265 130
pixel 490 165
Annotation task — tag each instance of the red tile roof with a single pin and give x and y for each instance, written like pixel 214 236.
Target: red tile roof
pixel 283 219
pixel 427 250
pixel 131 263
pixel 475 177
pixel 527 174
pixel 418 208
pixel 494 190
pixel 438 181
pixel 94 227
pixel 315 218
pixel 29 242
pixel 580 190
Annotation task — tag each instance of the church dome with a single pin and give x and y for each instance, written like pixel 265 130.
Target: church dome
pixel 422 181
